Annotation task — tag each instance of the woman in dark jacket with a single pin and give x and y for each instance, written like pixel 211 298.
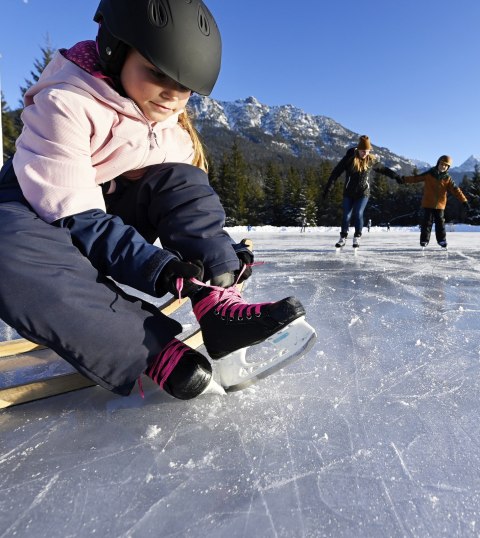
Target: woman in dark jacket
pixel 358 164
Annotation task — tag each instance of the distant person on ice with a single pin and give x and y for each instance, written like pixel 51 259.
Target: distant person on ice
pixel 437 182
pixel 108 162
pixel 358 164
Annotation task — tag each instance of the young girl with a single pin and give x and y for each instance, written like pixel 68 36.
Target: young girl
pixel 107 163
pixel 437 182
pixel 358 164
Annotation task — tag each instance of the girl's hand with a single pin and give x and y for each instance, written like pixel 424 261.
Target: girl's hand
pixel 176 270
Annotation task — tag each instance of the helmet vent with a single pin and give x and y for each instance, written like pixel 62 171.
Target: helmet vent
pixel 203 23
pixel 157 13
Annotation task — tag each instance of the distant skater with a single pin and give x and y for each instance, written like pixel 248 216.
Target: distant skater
pixel 358 164
pixel 304 225
pixel 437 182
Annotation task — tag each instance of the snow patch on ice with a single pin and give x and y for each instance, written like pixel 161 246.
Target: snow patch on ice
pixel 354 320
pixel 153 431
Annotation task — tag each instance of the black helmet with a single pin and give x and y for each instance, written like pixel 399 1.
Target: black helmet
pixel 179 37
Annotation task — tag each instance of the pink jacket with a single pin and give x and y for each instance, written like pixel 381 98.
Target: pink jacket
pixel 78 133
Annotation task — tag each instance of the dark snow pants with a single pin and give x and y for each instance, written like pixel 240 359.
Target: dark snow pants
pixel 429 216
pixel 51 294
pixel 175 203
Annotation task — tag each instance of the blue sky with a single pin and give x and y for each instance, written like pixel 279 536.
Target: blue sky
pixel 406 73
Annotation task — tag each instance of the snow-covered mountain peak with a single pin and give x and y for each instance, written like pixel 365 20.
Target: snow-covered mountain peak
pixel 282 129
pixel 468 165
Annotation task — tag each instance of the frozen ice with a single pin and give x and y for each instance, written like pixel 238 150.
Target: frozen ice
pixel 374 433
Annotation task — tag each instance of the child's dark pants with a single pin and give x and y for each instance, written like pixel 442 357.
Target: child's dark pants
pixel 51 294
pixel 429 216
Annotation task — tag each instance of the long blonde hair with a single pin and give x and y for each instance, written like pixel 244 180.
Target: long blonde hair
pixel 199 158
pixel 362 165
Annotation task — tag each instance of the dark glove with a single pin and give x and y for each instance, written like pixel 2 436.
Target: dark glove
pixel 175 269
pixel 400 180
pixel 387 172
pixel 245 255
pixel 325 192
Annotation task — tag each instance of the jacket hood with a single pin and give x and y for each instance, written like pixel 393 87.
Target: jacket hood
pixel 62 72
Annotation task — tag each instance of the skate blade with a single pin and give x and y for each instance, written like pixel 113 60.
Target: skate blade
pixel 213 388
pixel 289 344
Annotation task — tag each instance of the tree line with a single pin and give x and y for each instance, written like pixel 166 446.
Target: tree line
pixel 273 193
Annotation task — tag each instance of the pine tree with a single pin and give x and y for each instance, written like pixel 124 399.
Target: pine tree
pixel 311 189
pixel 329 208
pixel 232 186
pixel 240 178
pixel 10 130
pixel 226 189
pixel 39 66
pixel 273 190
pixel 473 195
pixel 294 206
pixel 254 197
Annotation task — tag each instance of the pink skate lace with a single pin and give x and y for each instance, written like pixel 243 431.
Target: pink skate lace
pixel 179 282
pixel 227 301
pixel 165 361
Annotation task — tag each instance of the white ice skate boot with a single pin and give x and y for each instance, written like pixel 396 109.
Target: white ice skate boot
pixel 341 242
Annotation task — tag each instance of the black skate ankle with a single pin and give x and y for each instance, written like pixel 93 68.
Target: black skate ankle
pixel 229 323
pixel 180 370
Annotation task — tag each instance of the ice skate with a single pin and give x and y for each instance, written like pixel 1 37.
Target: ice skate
pixel 341 242
pixel 277 331
pixel 182 372
pixel 356 242
pixel 443 245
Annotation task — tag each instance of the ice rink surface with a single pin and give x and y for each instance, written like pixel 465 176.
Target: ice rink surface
pixel 375 433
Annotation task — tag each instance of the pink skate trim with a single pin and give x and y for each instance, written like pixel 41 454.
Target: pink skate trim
pixel 165 361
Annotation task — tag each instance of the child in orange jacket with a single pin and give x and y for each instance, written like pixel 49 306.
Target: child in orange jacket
pixel 437 182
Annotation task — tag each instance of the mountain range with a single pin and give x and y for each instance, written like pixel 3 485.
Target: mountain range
pixel 286 133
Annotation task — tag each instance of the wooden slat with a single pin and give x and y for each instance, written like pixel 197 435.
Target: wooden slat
pixel 54 386
pixel 43 389
pixel 15 347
